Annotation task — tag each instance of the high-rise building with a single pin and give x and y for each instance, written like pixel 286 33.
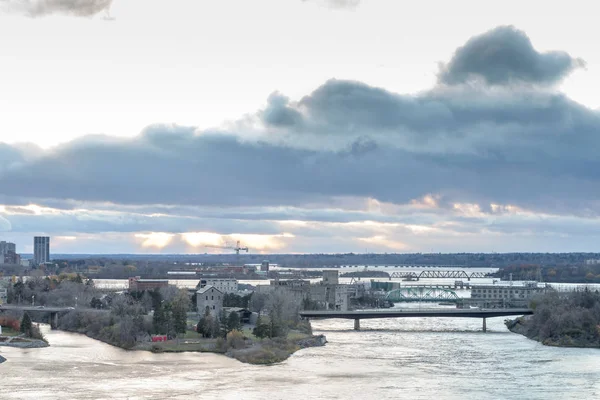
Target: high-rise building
pixel 7 252
pixel 41 249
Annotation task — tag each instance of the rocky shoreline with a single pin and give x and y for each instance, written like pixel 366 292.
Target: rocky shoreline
pixel 273 351
pixel 520 326
pixel 21 342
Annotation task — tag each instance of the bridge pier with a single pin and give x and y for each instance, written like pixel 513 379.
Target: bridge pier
pixel 484 327
pixel 54 320
pixel 357 324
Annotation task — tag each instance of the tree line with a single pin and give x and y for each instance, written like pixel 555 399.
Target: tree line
pixel 564 319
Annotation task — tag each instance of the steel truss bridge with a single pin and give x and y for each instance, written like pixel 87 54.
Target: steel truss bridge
pixel 422 294
pixel 439 274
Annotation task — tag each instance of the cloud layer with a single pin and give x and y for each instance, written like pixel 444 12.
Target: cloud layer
pixel 39 8
pixel 354 163
pixel 339 3
pixel 506 55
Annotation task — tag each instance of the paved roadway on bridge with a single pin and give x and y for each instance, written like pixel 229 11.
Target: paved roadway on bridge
pixel 458 312
pixel 8 307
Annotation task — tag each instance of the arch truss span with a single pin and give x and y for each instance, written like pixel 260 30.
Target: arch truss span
pixel 455 274
pixel 422 294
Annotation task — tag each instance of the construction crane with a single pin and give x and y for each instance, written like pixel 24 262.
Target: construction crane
pixel 237 248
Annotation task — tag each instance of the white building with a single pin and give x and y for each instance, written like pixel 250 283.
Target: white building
pixel 209 297
pixel 224 285
pixel 341 298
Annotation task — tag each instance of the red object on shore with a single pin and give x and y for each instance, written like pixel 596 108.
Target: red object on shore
pixel 159 338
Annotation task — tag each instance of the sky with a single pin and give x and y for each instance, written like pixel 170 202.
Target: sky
pixel 299 126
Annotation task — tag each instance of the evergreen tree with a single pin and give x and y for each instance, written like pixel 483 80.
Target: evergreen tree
pixel 233 321
pixel 26 325
pixel 262 330
pixel 159 321
pixel 223 330
pixel 179 317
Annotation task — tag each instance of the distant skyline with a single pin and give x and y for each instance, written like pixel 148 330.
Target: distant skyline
pixel 140 126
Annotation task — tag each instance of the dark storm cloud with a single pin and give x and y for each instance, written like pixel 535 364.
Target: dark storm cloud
pixel 39 8
pixel 506 55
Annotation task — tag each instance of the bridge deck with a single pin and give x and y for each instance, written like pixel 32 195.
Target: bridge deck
pixel 458 312
pixel 7 307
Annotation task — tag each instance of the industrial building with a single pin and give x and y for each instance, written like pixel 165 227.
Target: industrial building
pixel 513 294
pixel 329 293
pixel 136 284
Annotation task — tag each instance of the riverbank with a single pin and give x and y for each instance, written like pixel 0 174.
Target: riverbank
pixel 562 320
pixel 570 338
pixel 250 351
pixel 22 342
pixel 276 350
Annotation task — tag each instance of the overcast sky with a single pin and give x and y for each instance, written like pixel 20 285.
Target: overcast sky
pixel 300 126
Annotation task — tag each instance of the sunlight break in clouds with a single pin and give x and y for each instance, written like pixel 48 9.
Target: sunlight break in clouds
pixel 385 243
pixel 199 239
pixel 157 240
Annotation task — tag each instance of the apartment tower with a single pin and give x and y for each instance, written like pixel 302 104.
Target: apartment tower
pixel 41 249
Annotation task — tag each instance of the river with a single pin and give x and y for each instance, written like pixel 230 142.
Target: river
pixel 420 358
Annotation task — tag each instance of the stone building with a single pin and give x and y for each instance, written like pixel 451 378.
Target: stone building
pixel 225 285
pixel 211 298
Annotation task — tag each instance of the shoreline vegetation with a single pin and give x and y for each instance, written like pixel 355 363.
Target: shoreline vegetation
pixel 562 319
pixel 23 334
pixel 249 350
pixel 256 328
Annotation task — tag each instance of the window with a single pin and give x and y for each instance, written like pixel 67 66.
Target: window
pixel 213 307
pixel 212 297
pixel 206 297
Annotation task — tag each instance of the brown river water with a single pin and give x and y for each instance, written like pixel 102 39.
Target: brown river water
pixel 420 358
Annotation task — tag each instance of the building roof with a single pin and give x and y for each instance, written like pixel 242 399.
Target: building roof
pixel 206 288
pixel 235 309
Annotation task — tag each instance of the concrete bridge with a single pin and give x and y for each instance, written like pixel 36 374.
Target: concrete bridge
pixel 53 311
pixel 405 313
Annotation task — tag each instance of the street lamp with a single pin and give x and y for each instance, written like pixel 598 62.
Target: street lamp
pixel 75 301
pixel 33 300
